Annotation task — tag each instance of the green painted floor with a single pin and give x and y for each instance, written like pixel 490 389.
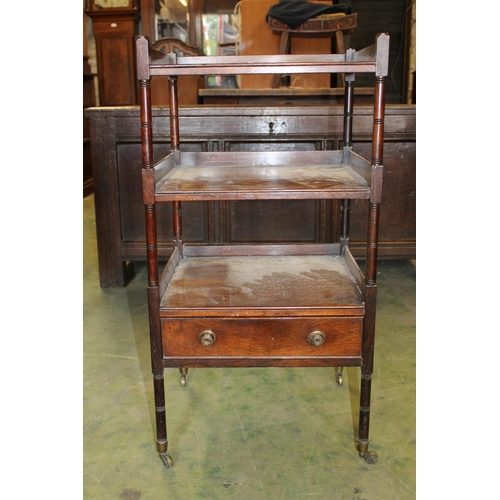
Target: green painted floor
pixel 259 433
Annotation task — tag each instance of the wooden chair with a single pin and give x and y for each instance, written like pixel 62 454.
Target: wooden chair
pixel 321 27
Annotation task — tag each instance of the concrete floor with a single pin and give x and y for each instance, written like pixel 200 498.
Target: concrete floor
pixel 261 433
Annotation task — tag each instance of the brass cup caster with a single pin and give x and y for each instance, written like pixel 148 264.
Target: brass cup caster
pixel 370 457
pixel 167 460
pixel 183 377
pixel 339 375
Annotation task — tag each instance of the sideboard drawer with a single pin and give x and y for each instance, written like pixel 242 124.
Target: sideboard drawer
pixel 213 337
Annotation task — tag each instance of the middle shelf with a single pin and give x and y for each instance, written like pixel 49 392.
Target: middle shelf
pixel 262 175
pixel 244 281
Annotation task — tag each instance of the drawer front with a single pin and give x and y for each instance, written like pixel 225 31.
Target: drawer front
pixel 289 337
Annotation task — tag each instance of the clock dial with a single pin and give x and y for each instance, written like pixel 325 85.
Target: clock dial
pixel 112 4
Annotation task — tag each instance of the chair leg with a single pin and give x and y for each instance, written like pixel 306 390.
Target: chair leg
pixel 340 49
pixel 284 48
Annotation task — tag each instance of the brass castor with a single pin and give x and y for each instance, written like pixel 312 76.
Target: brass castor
pixel 167 460
pixel 370 457
pixel 183 377
pixel 339 376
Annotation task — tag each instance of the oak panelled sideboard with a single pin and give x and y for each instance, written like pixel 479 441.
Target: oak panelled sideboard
pixel 262 304
pixel 116 151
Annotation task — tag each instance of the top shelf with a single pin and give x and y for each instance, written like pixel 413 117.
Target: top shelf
pixel 373 59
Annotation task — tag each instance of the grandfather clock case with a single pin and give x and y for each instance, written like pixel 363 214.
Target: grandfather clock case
pixel 115 26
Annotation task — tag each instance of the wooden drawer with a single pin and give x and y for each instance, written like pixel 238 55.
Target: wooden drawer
pixel 287 337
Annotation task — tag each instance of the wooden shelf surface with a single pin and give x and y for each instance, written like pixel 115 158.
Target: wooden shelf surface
pixel 269 175
pixel 261 285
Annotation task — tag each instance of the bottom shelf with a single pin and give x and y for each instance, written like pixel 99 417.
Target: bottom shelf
pixel 207 282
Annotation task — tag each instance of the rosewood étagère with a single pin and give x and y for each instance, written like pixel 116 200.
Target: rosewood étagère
pixel 254 305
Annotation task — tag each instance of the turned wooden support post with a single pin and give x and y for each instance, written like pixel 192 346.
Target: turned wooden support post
pixel 148 187
pixel 175 146
pixel 377 177
pixel 372 249
pixel 174 112
pixel 348 114
pixel 148 181
pixel 148 193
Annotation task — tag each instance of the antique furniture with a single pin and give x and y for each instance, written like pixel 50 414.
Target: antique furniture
pixel 256 305
pixel 100 5
pixel 115 25
pixel 116 150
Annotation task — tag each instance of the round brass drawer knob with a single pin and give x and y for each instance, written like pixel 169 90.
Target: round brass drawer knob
pixel 207 338
pixel 316 338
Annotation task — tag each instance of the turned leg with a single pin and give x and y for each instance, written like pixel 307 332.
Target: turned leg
pixel 284 48
pixel 340 49
pixel 364 420
pixel 161 421
pixel 366 372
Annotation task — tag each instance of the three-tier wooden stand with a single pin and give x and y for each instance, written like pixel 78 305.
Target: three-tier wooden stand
pixel 295 305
